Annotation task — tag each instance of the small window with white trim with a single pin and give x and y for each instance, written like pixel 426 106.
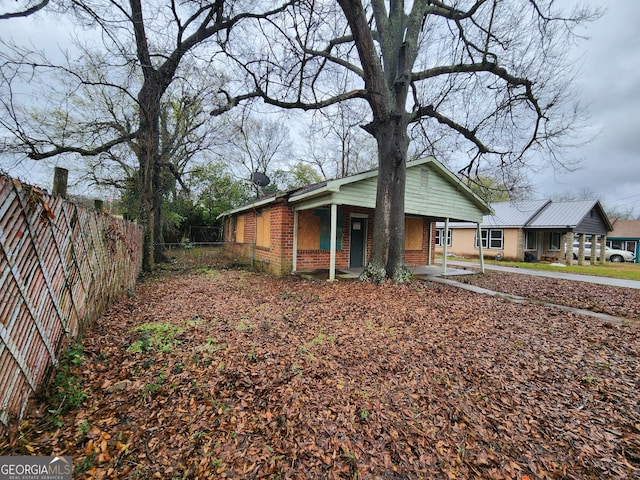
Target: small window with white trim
pixel 440 237
pixel 491 238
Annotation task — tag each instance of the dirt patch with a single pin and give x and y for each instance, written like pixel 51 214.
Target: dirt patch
pixel 216 373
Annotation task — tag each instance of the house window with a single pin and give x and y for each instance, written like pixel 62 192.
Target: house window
pixel 493 238
pixel 531 241
pixel 440 237
pixel 554 241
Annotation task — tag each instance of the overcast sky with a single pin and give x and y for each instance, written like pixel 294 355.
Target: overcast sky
pixel 609 84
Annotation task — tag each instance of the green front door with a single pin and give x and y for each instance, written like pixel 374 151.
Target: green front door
pixel 358 243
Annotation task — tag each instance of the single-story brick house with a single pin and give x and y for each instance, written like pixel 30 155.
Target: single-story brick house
pixel 292 231
pixel 539 229
pixel 626 236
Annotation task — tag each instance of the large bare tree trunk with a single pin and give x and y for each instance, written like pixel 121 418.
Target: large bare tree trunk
pixel 387 256
pixel 149 103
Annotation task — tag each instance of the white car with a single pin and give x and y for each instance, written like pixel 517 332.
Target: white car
pixel 610 254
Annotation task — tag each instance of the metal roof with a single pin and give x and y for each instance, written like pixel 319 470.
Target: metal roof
pixel 513 214
pixel 537 214
pixel 563 214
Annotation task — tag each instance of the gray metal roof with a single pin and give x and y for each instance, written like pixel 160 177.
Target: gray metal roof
pixel 513 214
pixel 538 214
pixel 563 214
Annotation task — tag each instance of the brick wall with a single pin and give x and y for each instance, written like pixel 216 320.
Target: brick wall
pixel 277 258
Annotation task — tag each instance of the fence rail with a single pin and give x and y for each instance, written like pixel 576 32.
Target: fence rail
pixel 61 264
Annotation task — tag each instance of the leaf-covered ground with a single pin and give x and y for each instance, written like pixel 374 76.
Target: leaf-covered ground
pixel 224 373
pixel 617 301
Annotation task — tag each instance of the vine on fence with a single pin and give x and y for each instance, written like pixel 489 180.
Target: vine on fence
pixel 34 197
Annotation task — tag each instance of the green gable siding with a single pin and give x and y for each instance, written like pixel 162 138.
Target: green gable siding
pixel 361 193
pixel 429 193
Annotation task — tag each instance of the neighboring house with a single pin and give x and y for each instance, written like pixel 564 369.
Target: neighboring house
pixel 626 236
pixel 529 229
pixel 329 225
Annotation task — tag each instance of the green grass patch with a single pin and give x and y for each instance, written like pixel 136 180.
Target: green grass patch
pixel 625 271
pixel 158 336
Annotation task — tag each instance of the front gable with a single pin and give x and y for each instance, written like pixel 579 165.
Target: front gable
pixel 432 192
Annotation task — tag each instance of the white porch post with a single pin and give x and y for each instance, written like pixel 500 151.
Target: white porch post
pixel 481 251
pixel 430 248
pixel 444 239
pixel 294 265
pixel 334 231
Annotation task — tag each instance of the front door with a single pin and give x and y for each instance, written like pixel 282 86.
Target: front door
pixel 358 243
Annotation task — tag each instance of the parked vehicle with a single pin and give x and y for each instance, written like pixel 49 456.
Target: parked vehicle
pixel 610 254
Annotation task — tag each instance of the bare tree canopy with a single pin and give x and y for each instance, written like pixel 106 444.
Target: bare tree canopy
pixel 486 79
pixel 142 53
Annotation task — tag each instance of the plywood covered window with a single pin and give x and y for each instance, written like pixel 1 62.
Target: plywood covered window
pixel 263 228
pixel 240 229
pixel 308 230
pixel 314 229
pixel 413 234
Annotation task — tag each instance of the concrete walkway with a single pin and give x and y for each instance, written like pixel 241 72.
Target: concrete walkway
pixel 613 282
pixel 518 299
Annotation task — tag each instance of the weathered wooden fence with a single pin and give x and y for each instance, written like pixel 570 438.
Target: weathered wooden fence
pixel 60 264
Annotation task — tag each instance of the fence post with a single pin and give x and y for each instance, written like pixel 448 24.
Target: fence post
pixel 60 177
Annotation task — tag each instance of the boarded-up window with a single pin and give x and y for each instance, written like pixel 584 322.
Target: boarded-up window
pixel 263 228
pixel 413 234
pixel 240 229
pixel 308 230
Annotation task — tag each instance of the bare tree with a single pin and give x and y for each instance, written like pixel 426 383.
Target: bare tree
pixel 336 146
pixel 256 145
pixel 163 35
pixel 488 74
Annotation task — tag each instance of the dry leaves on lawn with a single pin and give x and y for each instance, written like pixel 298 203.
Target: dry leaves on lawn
pixel 220 373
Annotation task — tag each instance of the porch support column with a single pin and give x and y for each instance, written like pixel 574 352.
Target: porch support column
pixel 480 248
pixel 445 238
pixel 581 252
pixel 430 247
pixel 603 246
pixel 594 250
pixel 294 256
pixel 334 231
pixel 568 248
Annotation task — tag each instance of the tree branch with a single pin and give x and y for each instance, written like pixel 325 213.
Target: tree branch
pixel 25 13
pixel 35 155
